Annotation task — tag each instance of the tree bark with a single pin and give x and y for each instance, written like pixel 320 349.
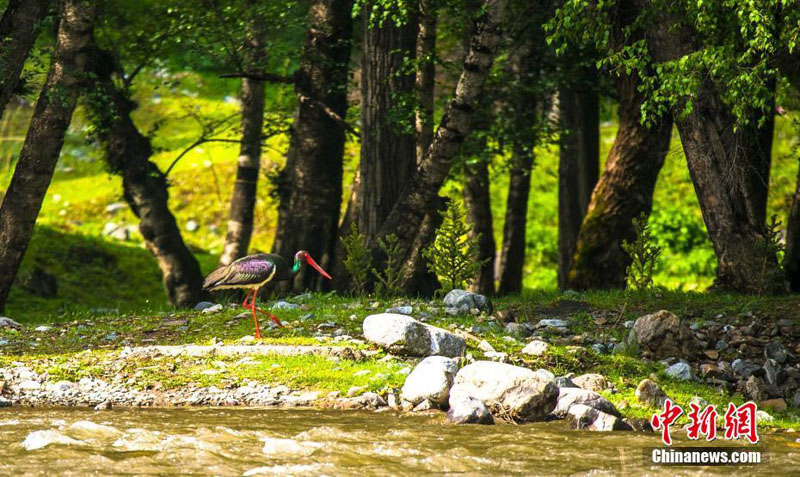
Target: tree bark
pixel 45 136
pixel 388 154
pixel 144 188
pixel 17 35
pixel 578 167
pixel 729 169
pixel 623 193
pixel 512 253
pixel 310 186
pixel 479 214
pixel 420 195
pixel 243 202
pixel 792 258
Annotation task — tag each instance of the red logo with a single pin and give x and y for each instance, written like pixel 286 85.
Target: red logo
pixel 665 419
pixel 703 423
pixel 739 421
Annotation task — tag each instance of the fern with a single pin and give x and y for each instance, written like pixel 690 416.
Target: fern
pixel 453 256
pixel 769 249
pixel 643 253
pixel 357 259
pixel 388 280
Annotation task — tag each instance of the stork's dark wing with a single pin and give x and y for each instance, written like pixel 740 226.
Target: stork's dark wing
pixel 249 270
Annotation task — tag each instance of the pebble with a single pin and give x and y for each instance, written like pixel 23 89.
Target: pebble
pixel 403 310
pixel 43 328
pixel 680 371
pixel 536 348
pixel 552 323
pixel 203 305
pixel 212 309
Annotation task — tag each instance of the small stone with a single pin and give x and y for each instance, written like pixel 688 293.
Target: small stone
pixel 403 310
pixel 628 324
pixel 796 399
pixel 103 406
pixel 764 416
pixel 212 309
pixel 569 397
pixel 535 348
pixel 580 416
pixel 778 404
pixel 115 207
pixel 284 305
pixel 5 402
pixel 775 350
pixel 599 348
pixel 485 346
pixel 43 328
pixel 721 345
pixel 514 328
pixel 700 402
pixel 565 382
pixel 425 405
pixel 771 372
pixel 355 390
pixel 9 323
pixel 404 335
pixel 711 354
pixel 192 225
pixel 552 323
pixel 363 372
pixel 592 382
pixel 680 371
pixel 650 393
pixel 496 356
pixel 203 305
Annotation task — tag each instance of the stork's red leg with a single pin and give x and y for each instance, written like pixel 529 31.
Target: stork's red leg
pixel 246 296
pixel 271 316
pixel 253 309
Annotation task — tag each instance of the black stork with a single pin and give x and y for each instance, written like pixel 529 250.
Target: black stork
pixel 253 272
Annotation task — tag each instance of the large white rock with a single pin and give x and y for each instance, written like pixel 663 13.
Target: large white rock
pixel 468 410
pixel 404 335
pixel 518 390
pixel 568 397
pixel 431 379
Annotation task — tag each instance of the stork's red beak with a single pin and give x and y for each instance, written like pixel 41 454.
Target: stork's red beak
pixel 316 267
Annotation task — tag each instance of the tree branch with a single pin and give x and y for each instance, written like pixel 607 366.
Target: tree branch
pixel 269 77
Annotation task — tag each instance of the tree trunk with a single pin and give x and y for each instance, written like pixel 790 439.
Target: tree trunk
pixel 144 187
pixel 623 193
pixel 51 118
pixel 420 195
pixel 578 167
pixel 388 154
pixel 310 186
pixel 792 257
pixel 479 215
pixel 17 35
pixel 417 279
pixel 243 202
pixel 729 168
pixel 512 253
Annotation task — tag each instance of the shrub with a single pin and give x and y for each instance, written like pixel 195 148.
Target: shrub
pixel 643 253
pixel 357 259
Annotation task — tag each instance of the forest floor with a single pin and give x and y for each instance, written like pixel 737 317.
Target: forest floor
pixel 112 347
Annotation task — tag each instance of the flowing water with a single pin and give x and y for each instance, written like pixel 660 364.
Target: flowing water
pixel 230 441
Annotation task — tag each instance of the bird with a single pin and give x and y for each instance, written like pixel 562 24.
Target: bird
pixel 253 272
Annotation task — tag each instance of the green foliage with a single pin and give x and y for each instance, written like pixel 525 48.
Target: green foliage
pixel 357 259
pixel 453 256
pixel 770 251
pixel 388 279
pixel 643 253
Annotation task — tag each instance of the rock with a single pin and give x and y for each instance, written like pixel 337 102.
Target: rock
pixel 711 354
pixel 701 403
pixel 545 374
pixel 43 328
pixel 515 329
pixel 564 382
pixel 650 393
pixel 772 372
pixel 192 225
pixel 404 335
pixel 569 397
pixel 796 399
pixel 485 346
pixel 372 400
pixel 536 348
pixel 431 379
pixel 778 404
pixel 496 356
pixel 775 350
pixel 591 382
pixel 468 410
pixel 764 416
pixel 284 305
pixel 425 405
pixel 103 406
pixel 599 348
pixel 721 345
pixel 115 207
pixel 9 323
pixel 203 305
pixel 744 368
pixel 552 323
pixel 680 371
pixel 5 402
pixel 581 416
pixel 754 388
pixel 212 309
pixel 355 390
pixel 660 335
pixel 518 391
pixel 403 310
pixel 464 301
pixel 629 324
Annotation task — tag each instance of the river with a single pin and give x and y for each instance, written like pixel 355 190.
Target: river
pixel 235 441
